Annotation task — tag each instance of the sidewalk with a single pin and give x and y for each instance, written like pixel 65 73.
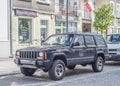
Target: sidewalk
pixel 8 67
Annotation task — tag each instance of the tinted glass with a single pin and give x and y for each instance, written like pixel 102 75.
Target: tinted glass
pixel 89 40
pixel 115 38
pixel 99 40
pixel 80 39
pixel 59 40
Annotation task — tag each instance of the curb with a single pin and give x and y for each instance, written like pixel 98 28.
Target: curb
pixel 7 74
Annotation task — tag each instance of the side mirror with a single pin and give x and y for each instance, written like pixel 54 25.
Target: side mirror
pixel 76 44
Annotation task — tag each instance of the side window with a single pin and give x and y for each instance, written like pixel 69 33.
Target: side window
pixel 80 39
pixel 89 41
pixel 99 40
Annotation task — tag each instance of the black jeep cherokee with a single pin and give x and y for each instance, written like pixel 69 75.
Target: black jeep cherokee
pixel 61 51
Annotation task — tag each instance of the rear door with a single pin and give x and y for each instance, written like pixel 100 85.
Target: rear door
pixel 90 47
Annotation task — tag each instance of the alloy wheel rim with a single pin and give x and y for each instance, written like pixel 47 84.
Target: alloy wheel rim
pixel 100 64
pixel 59 70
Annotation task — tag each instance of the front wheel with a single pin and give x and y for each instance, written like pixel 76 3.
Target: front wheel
pixel 98 65
pixel 27 71
pixel 57 71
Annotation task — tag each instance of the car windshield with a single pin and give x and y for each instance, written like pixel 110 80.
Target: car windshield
pixel 59 40
pixel 115 38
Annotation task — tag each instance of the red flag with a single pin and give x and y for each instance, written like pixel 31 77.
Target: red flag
pixel 89 6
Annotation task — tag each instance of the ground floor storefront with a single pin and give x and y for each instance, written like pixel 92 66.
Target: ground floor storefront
pixel 30 28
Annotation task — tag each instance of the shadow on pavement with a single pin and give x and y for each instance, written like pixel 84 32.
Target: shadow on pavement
pixel 112 63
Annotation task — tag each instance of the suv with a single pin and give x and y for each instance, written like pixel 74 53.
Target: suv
pixel 61 51
pixel 114 46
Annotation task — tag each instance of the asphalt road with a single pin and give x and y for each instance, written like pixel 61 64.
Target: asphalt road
pixel 81 76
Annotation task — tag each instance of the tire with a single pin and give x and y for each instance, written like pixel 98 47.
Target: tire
pixel 98 65
pixel 57 71
pixel 27 71
pixel 71 67
pixel 45 70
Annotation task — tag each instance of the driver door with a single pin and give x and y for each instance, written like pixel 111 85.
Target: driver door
pixel 78 49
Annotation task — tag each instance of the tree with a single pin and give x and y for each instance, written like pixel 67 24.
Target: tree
pixel 103 18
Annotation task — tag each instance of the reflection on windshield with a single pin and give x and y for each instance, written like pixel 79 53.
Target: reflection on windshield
pixel 59 40
pixel 113 38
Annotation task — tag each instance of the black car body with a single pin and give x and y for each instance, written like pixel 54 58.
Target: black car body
pixel 64 50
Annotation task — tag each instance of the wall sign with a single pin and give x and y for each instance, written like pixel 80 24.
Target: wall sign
pixel 25 13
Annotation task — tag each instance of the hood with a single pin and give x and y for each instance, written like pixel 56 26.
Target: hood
pixel 43 48
pixel 113 46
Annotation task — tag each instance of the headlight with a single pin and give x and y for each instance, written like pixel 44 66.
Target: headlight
pixel 41 54
pixel 17 53
pixel 118 49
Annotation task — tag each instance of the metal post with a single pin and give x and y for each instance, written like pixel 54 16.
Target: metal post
pixel 66 15
pixel 11 28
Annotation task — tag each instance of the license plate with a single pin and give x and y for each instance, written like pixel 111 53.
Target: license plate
pixel 27 62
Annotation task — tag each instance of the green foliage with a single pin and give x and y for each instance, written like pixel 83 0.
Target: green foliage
pixel 103 17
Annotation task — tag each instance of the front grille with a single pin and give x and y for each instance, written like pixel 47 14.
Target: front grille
pixel 29 54
pixel 112 49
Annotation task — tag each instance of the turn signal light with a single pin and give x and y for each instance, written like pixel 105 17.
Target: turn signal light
pixel 17 57
pixel 45 55
pixel 40 58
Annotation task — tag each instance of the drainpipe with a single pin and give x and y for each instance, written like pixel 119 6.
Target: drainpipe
pixel 11 55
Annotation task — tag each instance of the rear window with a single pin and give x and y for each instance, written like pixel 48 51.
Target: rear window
pixel 89 41
pixel 99 40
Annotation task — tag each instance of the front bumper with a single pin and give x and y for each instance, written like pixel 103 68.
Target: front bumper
pixel 45 64
pixel 114 57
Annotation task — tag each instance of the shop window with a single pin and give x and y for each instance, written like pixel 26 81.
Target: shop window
pixel 57 23
pixel 44 28
pixel 24 31
pixel 58 31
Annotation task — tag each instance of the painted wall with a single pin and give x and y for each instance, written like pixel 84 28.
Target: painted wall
pixel 4 29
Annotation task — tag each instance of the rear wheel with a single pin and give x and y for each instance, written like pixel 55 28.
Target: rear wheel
pixel 57 71
pixel 71 67
pixel 27 71
pixel 98 65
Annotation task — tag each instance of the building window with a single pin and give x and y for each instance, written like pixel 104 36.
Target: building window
pixel 44 28
pixel 43 1
pixel 61 4
pixel 24 31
